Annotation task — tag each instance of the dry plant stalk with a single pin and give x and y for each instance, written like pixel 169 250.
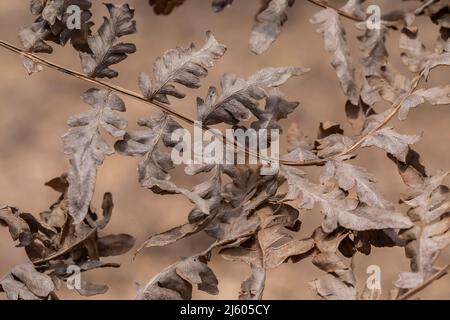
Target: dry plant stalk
pixel 249 219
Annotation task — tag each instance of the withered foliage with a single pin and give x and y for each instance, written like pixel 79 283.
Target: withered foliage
pixel 51 25
pixel 250 217
pixel 55 245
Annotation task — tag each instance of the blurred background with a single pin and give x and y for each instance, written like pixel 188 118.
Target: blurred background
pixel 33 118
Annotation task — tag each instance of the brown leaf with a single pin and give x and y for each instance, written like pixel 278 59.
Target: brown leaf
pixel 25 283
pixel 357 115
pixel 114 245
pixel 268 25
pixel 219 5
pixel 239 98
pixel 332 145
pixel 338 209
pixel 104 50
pixel 59 184
pixel 349 176
pixel 339 283
pixel 331 287
pixel 175 283
pixel 392 142
pixel 253 287
pixel 336 44
pixel 185 66
pixel 431 233
pixel 51 25
pixel 31 66
pixel 434 96
pixel 91 289
pixel 87 148
pixel 387 138
pixel 18 228
pixel 165 7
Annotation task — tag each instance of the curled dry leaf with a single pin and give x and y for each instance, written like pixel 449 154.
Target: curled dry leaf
pixel 349 176
pixel 355 8
pixel 23 282
pixel 56 247
pixel 18 228
pixel 333 145
pixel 219 5
pixel 374 61
pixel 114 245
pixel 338 209
pixel 276 108
pixel 269 23
pixel 245 213
pixel 339 283
pixel 239 97
pixel 434 61
pixel 52 24
pixel 104 50
pixel 434 96
pixel 235 227
pixel 165 7
pixel 31 65
pixel 430 212
pixel 270 247
pixel 253 287
pixel 357 115
pixel 181 65
pixel 154 168
pixel 155 164
pixel 415 54
pixel 209 193
pixel 387 138
pixel 392 142
pixel 87 148
pixel 90 289
pixel 330 287
pixel 336 44
pixel 175 283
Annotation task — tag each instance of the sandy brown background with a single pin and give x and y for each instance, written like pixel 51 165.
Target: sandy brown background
pixel 34 110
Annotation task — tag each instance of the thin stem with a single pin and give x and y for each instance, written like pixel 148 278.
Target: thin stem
pixel 123 91
pixel 436 276
pixel 100 83
pixel 414 83
pixel 339 11
pixel 326 5
pixel 396 107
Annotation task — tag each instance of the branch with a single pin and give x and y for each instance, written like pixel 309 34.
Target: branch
pixel 164 108
pixel 125 92
pixel 100 83
pixel 395 109
pixel 436 276
pixel 325 5
pixel 339 11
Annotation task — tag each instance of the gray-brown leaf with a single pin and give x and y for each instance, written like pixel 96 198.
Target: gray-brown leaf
pixel 336 44
pixel 105 51
pixel 181 65
pixel 87 148
pixel 268 25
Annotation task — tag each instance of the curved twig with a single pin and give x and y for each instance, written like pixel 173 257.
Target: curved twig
pixel 125 92
pixel 339 11
pixel 436 276
pixel 326 5
pixel 396 107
